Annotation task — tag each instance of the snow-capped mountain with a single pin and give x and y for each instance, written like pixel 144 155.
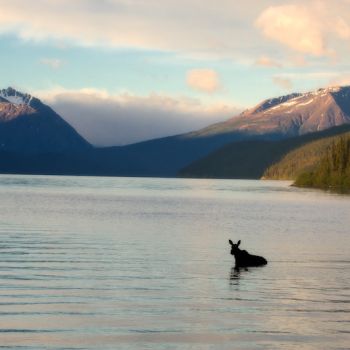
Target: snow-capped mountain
pixel 29 126
pixel 290 115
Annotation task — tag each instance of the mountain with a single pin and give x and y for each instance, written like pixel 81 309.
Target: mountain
pixel 34 139
pixel 273 119
pixel 282 117
pixel 290 115
pixel 28 126
pixel 279 159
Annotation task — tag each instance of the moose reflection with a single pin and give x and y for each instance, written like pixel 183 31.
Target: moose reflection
pixel 243 258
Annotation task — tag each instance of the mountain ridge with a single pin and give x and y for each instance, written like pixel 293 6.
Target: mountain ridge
pixel 290 115
pixel 48 134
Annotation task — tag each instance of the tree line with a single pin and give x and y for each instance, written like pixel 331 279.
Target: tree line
pixel 333 171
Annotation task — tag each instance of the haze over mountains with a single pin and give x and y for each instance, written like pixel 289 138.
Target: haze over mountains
pixel 34 139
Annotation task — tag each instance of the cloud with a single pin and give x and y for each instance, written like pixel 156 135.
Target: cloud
pixel 284 83
pixel 191 27
pixel 182 25
pixel 306 28
pixel 204 80
pixel 54 63
pixel 294 26
pixel 107 120
pixel 266 61
pixel 341 28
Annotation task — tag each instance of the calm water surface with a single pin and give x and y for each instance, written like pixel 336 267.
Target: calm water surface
pixel 127 263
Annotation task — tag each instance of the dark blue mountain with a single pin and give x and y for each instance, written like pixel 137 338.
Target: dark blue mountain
pixel 28 126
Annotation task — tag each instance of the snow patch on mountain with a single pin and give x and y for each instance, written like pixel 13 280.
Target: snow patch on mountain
pixel 17 100
pixel 295 100
pixel 289 103
pixel 15 97
pixel 305 103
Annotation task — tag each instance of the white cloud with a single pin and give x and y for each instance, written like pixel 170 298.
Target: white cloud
pixel 308 28
pixel 294 26
pixel 181 25
pixel 204 80
pixel 192 27
pixel 54 63
pixel 107 120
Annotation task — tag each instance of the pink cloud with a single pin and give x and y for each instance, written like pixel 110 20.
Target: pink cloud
pixel 204 80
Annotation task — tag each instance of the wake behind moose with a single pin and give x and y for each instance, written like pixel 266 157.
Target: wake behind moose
pixel 243 258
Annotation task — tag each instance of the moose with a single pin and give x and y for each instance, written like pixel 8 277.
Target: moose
pixel 243 258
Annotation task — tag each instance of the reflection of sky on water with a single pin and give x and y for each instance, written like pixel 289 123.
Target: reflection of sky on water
pixel 144 263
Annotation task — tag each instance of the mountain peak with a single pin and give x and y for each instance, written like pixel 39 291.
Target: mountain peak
pixel 290 115
pixel 29 126
pixel 272 102
pixel 294 98
pixel 15 97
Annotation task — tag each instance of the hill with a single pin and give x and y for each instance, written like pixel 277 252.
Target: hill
pixel 155 158
pixel 301 159
pixel 332 172
pixel 281 159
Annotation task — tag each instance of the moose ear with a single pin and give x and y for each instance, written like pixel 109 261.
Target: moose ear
pixel 230 242
pixel 238 243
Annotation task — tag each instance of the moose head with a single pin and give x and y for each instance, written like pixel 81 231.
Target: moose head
pixel 234 247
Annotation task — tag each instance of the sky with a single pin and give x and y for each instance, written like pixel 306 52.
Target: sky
pixel 123 71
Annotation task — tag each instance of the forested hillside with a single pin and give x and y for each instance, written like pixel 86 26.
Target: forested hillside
pixel 333 170
pixel 300 160
pixel 280 159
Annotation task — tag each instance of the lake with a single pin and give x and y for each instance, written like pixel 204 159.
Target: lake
pixel 135 263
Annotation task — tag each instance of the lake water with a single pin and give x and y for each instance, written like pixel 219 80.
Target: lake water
pixel 131 263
